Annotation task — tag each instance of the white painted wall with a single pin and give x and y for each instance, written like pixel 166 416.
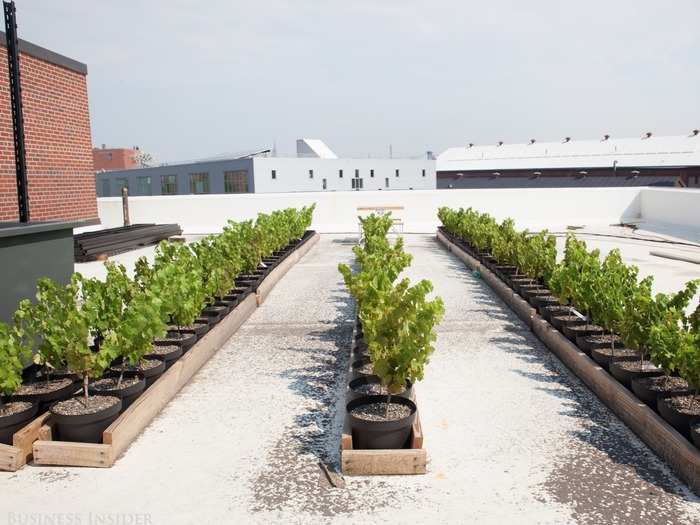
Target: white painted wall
pixel 337 211
pixel 292 174
pixel 671 206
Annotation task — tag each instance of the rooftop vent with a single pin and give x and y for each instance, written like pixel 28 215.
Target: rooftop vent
pixel 605 137
pixel 471 145
pixel 695 133
pixel 566 139
pixel 647 135
pixel 532 141
pixel 500 143
pixel 495 174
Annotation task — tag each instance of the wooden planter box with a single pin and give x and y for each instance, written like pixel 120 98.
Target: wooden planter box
pixel 36 440
pixel 365 462
pixel 662 438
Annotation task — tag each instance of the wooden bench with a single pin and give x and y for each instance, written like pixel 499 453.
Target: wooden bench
pixel 397 221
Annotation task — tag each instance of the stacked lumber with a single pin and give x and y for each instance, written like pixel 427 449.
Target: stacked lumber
pixel 91 246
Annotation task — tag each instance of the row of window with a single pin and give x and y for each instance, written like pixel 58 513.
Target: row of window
pixel 340 174
pixel 234 182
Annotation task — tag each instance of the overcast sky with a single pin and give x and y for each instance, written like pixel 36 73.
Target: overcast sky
pixel 189 79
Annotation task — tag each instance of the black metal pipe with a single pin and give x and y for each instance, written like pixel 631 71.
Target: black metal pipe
pixel 17 116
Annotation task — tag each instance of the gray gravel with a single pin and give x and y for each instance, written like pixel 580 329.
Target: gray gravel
pixel 511 435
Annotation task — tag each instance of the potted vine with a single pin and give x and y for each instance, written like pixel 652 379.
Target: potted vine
pixel 641 312
pixel 184 296
pixel 13 414
pixel 84 417
pixel 680 408
pixel 49 322
pixel 616 286
pixel 399 327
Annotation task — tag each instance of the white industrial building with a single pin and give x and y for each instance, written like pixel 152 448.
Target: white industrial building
pixel 315 168
pixel 607 161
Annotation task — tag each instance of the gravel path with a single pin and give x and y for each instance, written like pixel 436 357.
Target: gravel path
pixel 511 435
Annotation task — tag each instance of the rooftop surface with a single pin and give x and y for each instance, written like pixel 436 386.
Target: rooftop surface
pixel 511 434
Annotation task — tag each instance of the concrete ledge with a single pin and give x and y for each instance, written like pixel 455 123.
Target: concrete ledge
pixel 681 455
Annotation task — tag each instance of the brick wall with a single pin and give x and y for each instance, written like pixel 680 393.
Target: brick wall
pixel 108 159
pixel 60 167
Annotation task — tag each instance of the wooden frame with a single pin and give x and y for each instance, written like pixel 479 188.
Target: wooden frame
pixel 363 462
pixel 35 439
pixel 662 438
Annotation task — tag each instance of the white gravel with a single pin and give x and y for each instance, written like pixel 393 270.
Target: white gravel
pixel 511 435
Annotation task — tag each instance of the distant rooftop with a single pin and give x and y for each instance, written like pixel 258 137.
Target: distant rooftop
pixel 645 151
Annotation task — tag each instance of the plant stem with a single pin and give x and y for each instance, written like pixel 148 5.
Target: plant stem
pixel 388 402
pixel 85 388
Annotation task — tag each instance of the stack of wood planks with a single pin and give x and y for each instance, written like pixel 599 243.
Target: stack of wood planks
pixel 100 244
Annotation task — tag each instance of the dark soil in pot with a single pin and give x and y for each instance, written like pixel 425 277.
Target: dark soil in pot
pixel 626 371
pixel 13 416
pixel 362 367
pixel 528 291
pixel 167 353
pixel 45 393
pixel 130 388
pixel 535 295
pixel 679 411
pixel 606 355
pixel 150 369
pixel 372 429
pixel 604 340
pixel 560 321
pixel 84 420
pixel 372 386
pixel 196 328
pixel 245 284
pixel 505 270
pixel 183 340
pixel 548 311
pixel 541 301
pixel 581 332
pixel 650 389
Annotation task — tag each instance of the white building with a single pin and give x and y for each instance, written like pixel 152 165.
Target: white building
pixel 315 168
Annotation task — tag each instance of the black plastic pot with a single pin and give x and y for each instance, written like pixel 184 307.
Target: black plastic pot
pixel 528 290
pixel 677 419
pixel 196 328
pixel 581 333
pixel 185 340
pixel 542 301
pixel 46 399
pixel 560 321
pixel 357 365
pixel 127 395
pixel 604 356
pixel 365 380
pixel 169 358
pixel 534 295
pixel 626 371
pixel 225 305
pixel 650 389
pixel 214 313
pixel 548 311
pixel 13 422
pixel 85 428
pixel 591 342
pixel 381 434
pixel 151 374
